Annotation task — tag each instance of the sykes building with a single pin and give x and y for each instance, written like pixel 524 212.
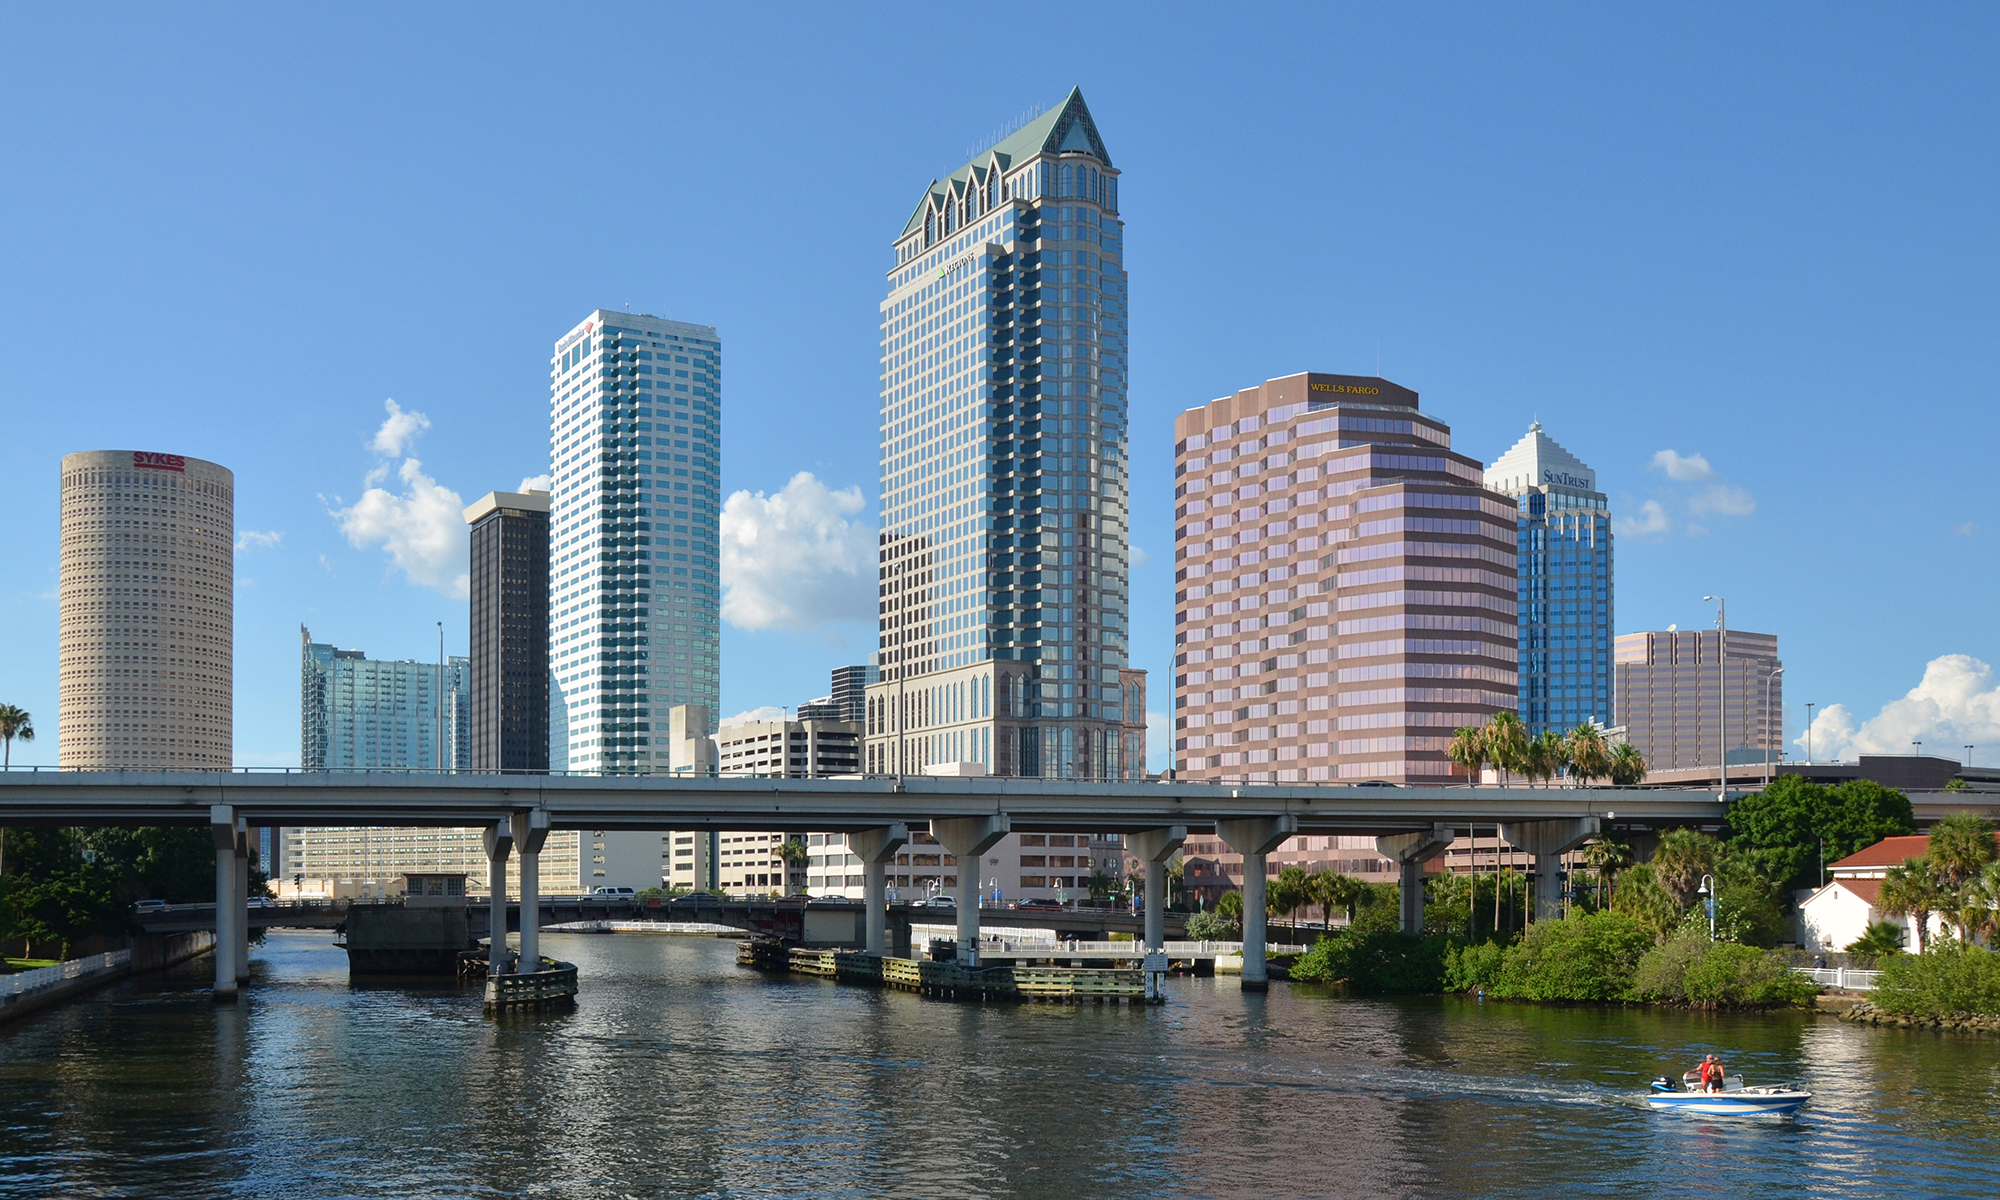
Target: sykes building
pixel 1563 532
pixel 1004 566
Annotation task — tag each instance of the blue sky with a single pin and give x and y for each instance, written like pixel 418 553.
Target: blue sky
pixel 1762 238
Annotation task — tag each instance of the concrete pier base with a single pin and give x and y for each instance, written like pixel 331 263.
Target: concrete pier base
pixel 876 848
pixel 1254 838
pixel 499 838
pixel 1548 841
pixel 531 830
pixel 1411 851
pixel 1154 847
pixel 967 838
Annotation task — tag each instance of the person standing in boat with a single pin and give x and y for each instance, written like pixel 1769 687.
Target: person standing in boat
pixel 1711 1074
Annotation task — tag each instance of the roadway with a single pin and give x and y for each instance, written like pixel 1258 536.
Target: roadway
pixel 272 798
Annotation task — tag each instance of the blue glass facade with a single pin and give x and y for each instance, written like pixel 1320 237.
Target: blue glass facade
pixel 1564 545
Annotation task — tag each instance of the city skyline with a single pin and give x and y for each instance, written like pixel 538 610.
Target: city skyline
pixel 1554 260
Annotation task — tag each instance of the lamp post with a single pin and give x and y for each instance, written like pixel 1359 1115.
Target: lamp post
pixel 1968 756
pixel 1721 694
pixel 1809 708
pixel 1771 742
pixel 1707 893
pixel 440 707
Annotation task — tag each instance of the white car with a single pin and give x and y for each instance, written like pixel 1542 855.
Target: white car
pixel 613 891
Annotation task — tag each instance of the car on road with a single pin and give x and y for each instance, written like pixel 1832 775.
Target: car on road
pixel 613 891
pixel 934 902
pixel 262 902
pixel 150 906
pixel 1039 903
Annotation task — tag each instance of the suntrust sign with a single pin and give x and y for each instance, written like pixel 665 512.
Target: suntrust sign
pixel 1565 479
pixel 159 462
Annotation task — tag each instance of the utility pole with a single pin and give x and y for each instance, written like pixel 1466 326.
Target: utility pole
pixel 1774 740
pixel 1809 708
pixel 440 707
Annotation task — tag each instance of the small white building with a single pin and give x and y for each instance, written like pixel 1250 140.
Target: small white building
pixel 1834 916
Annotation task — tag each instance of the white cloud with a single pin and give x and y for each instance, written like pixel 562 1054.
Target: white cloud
pixel 1652 519
pixel 399 430
pixel 798 559
pixel 1966 530
pixel 423 529
pixel 1723 499
pixel 250 539
pixel 764 713
pixel 1957 704
pixel 1139 557
pixel 1692 468
pixel 534 483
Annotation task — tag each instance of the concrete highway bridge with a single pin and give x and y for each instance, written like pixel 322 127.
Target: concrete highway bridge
pixel 517 812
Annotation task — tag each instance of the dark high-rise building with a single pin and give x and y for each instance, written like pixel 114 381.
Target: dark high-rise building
pixel 850 690
pixel 510 632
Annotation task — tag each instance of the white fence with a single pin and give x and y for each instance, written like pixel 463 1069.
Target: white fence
pixel 26 983
pixel 1847 978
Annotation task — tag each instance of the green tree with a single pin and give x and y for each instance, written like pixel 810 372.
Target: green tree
pixel 1628 766
pixel 1583 956
pixel 1912 890
pixel 1589 756
pixel 1507 742
pixel 1863 813
pixel 1683 857
pixel 1546 756
pixel 1229 906
pixel 792 852
pixel 1960 847
pixel 1606 858
pixel 1879 940
pixel 1287 891
pixel 14 723
pixel 1333 890
pixel 1468 750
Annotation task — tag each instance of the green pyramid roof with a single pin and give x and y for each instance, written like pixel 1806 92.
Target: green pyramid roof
pixel 1067 126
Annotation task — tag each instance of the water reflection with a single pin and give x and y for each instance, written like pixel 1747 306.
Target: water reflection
pixel 679 1075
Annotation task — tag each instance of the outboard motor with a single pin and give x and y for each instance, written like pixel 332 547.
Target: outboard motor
pixel 1663 1084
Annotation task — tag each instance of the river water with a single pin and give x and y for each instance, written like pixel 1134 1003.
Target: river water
pixel 679 1074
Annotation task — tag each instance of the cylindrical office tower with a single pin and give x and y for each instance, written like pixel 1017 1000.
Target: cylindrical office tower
pixel 148 572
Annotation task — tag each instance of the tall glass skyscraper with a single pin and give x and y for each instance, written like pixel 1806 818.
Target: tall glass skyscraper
pixel 1004 598
pixel 1563 535
pixel 635 438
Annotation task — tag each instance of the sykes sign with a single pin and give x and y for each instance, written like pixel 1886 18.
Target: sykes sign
pixel 158 462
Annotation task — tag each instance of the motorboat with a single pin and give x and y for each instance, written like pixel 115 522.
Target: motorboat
pixel 1734 1100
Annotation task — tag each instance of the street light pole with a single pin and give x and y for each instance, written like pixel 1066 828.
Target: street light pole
pixel 1809 708
pixel 1771 744
pixel 1707 893
pixel 440 707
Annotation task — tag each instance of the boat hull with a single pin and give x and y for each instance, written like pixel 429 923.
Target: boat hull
pixel 1730 1104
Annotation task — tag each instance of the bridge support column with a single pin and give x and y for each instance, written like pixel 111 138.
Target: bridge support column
pixel 1548 841
pixel 877 849
pixel 240 903
pixel 1253 838
pixel 1411 851
pixel 531 829
pixel 228 941
pixel 499 838
pixel 1154 847
pixel 967 838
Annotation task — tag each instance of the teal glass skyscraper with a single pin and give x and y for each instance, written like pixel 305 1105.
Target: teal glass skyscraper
pixel 1563 534
pixel 1004 562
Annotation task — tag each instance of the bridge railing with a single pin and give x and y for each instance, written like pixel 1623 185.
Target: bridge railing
pixel 20 983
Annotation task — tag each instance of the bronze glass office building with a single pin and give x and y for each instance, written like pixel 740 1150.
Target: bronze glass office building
pixel 510 632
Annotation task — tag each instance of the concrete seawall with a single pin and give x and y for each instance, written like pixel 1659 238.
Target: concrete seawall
pixel 30 991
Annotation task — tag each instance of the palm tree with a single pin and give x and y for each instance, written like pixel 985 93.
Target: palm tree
pixel 1627 767
pixel 1333 890
pixel 1879 940
pixel 1684 856
pixel 1607 858
pixel 14 723
pixel 1547 755
pixel 1912 891
pixel 1589 757
pixel 1289 889
pixel 1506 742
pixel 793 853
pixel 1468 750
pixel 1960 847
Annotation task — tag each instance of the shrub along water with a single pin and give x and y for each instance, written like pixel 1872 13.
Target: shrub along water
pixel 1947 979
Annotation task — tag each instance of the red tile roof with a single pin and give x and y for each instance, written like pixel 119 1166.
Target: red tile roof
pixel 1889 852
pixel 1870 890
